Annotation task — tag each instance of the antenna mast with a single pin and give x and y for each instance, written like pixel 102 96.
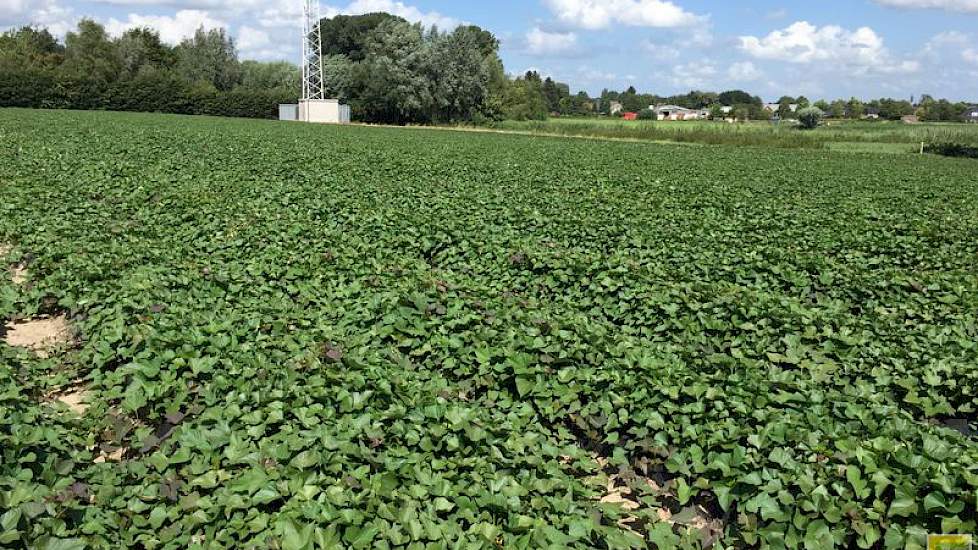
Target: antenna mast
pixel 312 56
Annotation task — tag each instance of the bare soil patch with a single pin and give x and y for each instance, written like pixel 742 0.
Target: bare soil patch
pixel 18 274
pixel 111 456
pixel 77 399
pixel 625 490
pixel 43 336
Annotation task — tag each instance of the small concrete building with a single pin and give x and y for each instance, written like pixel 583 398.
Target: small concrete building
pixel 324 111
pixel 288 112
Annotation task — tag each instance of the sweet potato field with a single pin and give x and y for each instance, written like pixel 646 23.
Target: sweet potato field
pixel 281 336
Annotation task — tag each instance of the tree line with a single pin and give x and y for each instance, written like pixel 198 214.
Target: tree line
pixel 387 69
pixel 137 71
pixel 751 107
pixel 390 70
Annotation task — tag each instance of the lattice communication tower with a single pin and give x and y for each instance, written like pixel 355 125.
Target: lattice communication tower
pixel 313 85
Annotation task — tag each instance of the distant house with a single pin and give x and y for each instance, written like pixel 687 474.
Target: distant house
pixel 871 113
pixel 675 112
pixel 971 114
pixel 629 116
pixel 615 107
pixel 775 107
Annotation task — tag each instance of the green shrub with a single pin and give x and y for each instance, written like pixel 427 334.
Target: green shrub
pixel 155 91
pixel 809 117
pixel 952 150
pixel 647 114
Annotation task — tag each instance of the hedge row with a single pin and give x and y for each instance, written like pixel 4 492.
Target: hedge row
pixel 953 150
pixel 157 92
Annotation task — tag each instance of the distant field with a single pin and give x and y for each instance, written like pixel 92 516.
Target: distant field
pixel 290 336
pixel 832 134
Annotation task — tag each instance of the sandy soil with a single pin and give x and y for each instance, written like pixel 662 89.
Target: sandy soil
pixel 42 336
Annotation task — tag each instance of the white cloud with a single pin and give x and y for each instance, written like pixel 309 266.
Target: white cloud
pixel 970 55
pixel 694 75
pixel 744 71
pixel 11 8
pixel 540 42
pixel 949 5
pixel 269 28
pixel 282 13
pixel 660 52
pixel 859 50
pixel 172 30
pixel 250 38
pixel 948 38
pixel 590 75
pixel 259 44
pixel 411 13
pixel 45 13
pixel 601 14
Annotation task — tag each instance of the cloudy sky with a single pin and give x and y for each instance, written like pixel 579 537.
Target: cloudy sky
pixel 832 48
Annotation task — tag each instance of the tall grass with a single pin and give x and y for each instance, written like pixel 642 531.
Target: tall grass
pixel 752 134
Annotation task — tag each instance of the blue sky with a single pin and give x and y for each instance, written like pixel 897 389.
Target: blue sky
pixel 827 49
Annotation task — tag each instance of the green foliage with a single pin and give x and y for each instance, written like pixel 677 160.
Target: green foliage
pixel 279 75
pixel 865 136
pixel 138 72
pixel 397 72
pixel 942 110
pixel 647 114
pixel 893 109
pixel 29 48
pixel 392 83
pixel 347 35
pixel 461 72
pixel 209 57
pixel 855 108
pixel 952 150
pixel 464 341
pixel 837 109
pixel 738 97
pixel 809 117
pixel 26 87
pixel 149 91
pixel 89 52
pixel 525 99
pixel 141 49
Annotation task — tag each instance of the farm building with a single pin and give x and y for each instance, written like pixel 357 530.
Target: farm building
pixel 971 114
pixel 629 116
pixel 675 112
pixel 871 113
pixel 615 107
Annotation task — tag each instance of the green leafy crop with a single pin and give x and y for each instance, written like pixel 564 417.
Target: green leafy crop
pixel 299 337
